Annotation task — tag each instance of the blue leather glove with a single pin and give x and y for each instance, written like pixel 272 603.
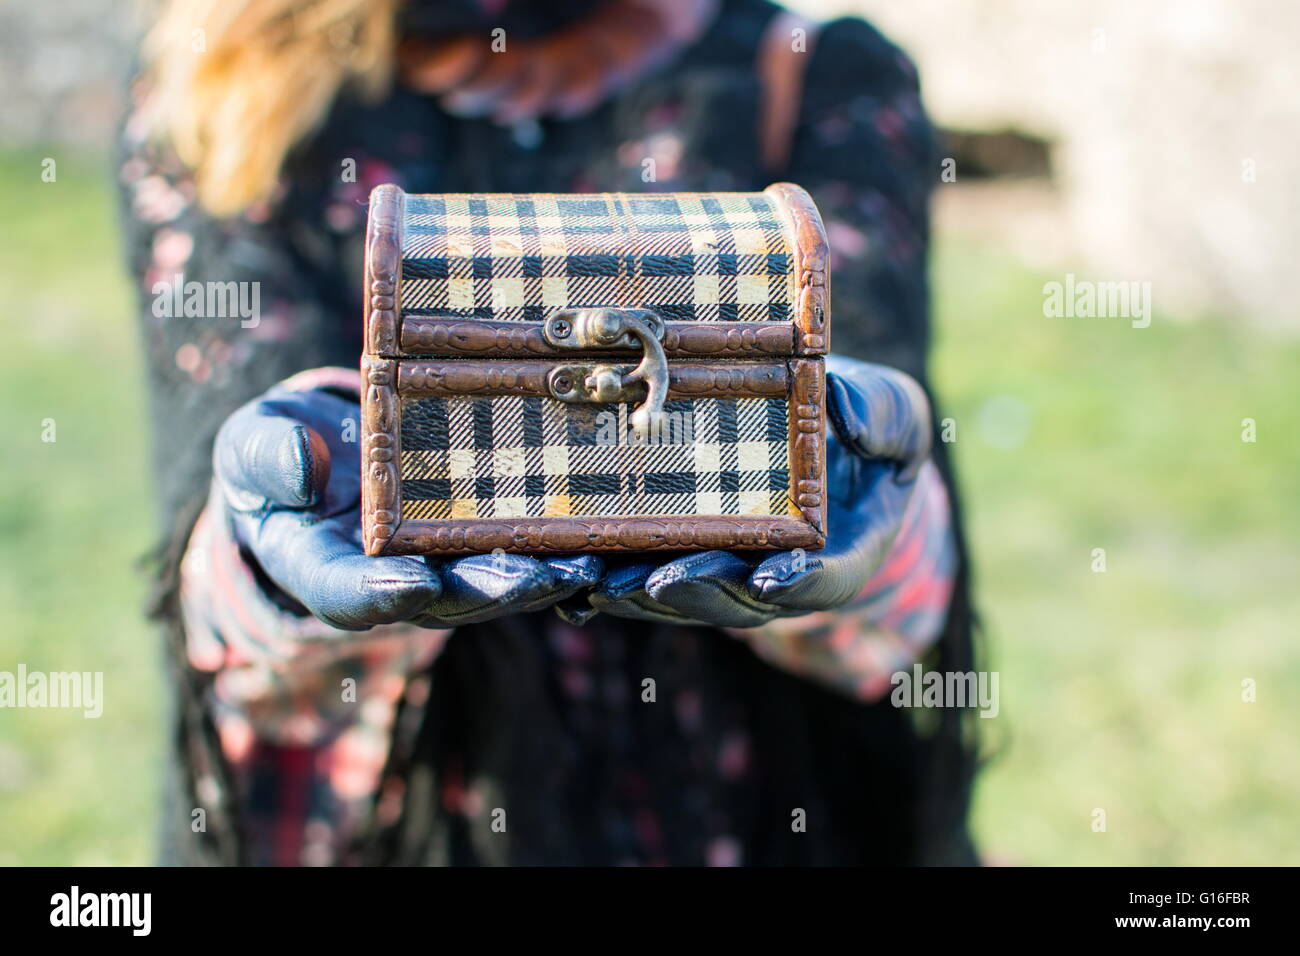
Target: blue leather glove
pixel 291 486
pixel 879 437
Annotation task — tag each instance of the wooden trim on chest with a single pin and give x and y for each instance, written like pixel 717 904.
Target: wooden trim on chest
pixel 384 269
pixel 454 336
pixel 573 535
pixel 730 380
pixel 811 267
pixel 381 483
pixel 808 440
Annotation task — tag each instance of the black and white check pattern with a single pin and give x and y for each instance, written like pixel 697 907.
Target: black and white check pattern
pixel 688 256
pixel 515 457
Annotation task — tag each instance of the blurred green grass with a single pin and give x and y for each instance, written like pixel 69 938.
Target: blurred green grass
pixel 1119 690
pixel 74 519
pixel 1122 690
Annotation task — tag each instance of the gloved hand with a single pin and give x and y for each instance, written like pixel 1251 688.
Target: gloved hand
pixel 291 487
pixel 879 437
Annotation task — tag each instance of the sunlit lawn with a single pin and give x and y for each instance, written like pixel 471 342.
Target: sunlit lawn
pixel 1120 690
pixel 74 519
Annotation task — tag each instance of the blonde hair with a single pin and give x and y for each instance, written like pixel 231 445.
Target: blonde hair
pixel 235 84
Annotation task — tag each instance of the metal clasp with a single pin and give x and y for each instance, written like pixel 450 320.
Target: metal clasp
pixel 608 328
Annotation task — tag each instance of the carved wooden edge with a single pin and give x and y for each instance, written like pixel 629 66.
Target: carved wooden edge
pixel 812 274
pixel 685 380
pixel 383 275
pixel 381 483
pixel 808 440
pixel 455 336
pixel 570 535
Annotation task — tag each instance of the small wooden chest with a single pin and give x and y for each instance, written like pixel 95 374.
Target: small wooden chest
pixel 605 372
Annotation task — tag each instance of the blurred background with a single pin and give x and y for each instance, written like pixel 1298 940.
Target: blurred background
pixel 1155 142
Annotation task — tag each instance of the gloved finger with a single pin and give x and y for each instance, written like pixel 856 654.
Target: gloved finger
pixel 336 419
pixel 576 610
pixel 572 574
pixel 879 412
pixel 803 581
pixel 261 457
pixel 321 565
pixel 861 537
pixel 712 587
pixel 484 586
pixel 622 593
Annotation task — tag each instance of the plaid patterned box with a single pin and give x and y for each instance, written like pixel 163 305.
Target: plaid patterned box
pixel 484 427
pixel 687 257
pixel 530 457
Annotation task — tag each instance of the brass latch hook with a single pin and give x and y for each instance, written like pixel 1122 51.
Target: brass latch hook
pixel 608 328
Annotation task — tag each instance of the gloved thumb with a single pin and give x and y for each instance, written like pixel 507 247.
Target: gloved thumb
pixel 879 413
pixel 261 457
